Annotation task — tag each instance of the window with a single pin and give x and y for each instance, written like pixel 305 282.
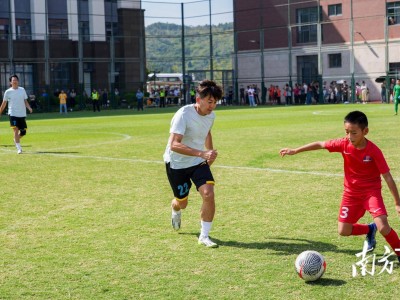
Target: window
pixel 335 60
pixel 335 10
pixel 4 9
pixel 60 75
pixel 111 18
pixel 58 29
pixel 23 20
pixel 307 33
pixel 84 31
pixel 111 29
pixel 23 29
pixel 394 68
pixel 23 71
pixel 393 13
pixel 57 19
pixel 3 32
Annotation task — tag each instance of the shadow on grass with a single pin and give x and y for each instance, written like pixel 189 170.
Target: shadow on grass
pixel 327 282
pixel 13 146
pixel 196 234
pixel 41 152
pixel 55 152
pixel 287 246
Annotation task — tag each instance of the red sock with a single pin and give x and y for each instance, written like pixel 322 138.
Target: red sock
pixel 360 229
pixel 393 240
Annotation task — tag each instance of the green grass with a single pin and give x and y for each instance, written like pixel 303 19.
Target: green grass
pixel 85 211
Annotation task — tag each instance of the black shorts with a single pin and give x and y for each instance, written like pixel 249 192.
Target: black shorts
pixel 181 179
pixel 18 122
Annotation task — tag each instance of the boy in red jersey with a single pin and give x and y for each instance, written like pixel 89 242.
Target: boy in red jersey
pixel 364 164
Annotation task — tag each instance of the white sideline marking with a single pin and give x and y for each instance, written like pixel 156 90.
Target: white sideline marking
pixel 124 138
pixel 138 160
pixel 281 171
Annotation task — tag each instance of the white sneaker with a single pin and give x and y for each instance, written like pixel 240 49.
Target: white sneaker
pixel 205 240
pixel 19 151
pixel 176 220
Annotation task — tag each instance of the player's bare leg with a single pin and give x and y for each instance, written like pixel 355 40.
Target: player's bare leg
pixel 345 229
pixel 17 139
pixel 207 214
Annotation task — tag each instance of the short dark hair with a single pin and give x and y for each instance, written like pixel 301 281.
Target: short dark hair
pixel 358 118
pixel 11 77
pixel 209 88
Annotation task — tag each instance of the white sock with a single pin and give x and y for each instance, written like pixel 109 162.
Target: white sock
pixel 18 145
pixel 175 212
pixel 205 228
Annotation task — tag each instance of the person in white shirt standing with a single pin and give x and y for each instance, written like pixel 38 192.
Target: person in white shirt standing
pixel 250 92
pixel 364 93
pixel 189 154
pixel 17 101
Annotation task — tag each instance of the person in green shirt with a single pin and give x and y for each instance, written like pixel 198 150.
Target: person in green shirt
pixel 396 95
pixel 95 100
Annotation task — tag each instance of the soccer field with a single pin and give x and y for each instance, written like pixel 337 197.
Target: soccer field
pixel 85 211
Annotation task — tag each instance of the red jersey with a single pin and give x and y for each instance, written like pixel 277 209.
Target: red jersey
pixel 362 167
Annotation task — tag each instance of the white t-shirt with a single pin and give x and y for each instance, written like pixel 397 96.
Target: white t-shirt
pixel 194 128
pixel 16 101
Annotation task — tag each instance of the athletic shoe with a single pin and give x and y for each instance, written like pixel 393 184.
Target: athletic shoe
pixel 371 237
pixel 205 240
pixel 19 151
pixel 176 220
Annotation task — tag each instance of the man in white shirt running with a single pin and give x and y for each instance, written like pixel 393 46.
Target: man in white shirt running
pixel 189 154
pixel 17 101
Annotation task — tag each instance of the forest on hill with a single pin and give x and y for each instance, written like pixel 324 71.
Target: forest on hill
pixel 164 47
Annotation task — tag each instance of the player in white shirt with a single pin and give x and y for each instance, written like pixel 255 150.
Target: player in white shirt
pixel 189 154
pixel 17 101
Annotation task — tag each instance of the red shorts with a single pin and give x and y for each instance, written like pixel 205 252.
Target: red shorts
pixel 353 206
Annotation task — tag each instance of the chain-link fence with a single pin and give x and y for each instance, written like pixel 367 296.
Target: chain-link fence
pixel 340 51
pixel 194 38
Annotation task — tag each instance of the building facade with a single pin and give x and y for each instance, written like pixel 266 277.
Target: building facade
pixel 64 44
pixel 324 41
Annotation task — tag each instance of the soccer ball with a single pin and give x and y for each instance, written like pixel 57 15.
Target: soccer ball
pixel 310 265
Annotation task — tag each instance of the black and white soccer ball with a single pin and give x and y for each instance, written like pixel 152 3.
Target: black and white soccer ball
pixel 310 265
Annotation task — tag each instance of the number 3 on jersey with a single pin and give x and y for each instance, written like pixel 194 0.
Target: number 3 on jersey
pixel 345 212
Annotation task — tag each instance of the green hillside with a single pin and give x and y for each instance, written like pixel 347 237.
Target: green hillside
pixel 164 47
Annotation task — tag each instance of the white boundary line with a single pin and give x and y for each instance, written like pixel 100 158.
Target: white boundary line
pixel 145 161
pixel 126 137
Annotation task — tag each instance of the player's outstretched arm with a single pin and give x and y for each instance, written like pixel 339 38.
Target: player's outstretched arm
pixel 308 147
pixel 393 190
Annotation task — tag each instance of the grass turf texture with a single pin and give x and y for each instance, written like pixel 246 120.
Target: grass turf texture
pixel 85 211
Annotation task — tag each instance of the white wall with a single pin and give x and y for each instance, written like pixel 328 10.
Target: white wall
pixel 97 23
pixel 129 4
pixel 38 19
pixel 73 25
